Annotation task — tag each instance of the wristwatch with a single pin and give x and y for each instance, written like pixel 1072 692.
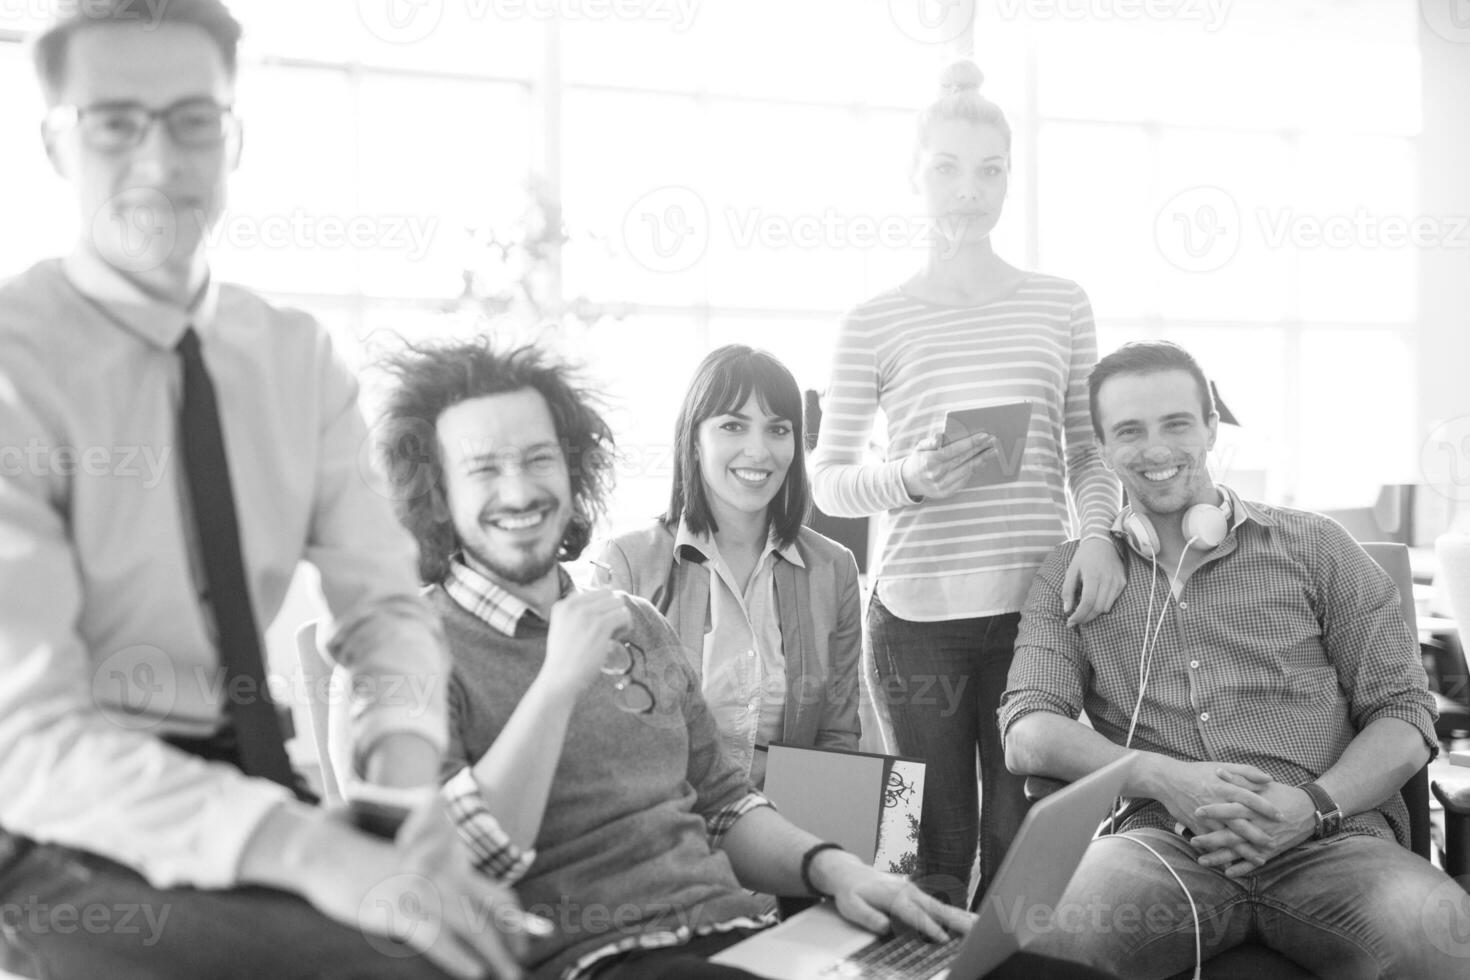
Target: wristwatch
pixel 1329 814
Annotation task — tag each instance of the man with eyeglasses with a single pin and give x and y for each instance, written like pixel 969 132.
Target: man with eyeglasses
pixel 584 766
pixel 172 448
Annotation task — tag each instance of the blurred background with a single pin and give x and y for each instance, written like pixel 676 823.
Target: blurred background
pixel 1279 185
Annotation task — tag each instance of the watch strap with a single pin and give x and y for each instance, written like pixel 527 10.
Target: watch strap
pixel 1329 814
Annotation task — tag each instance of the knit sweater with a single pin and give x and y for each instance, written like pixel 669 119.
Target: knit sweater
pixel 973 553
pixel 623 848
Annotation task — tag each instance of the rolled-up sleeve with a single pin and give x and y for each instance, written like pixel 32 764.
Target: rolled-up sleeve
pixel 495 853
pixel 1049 671
pixel 1366 638
pixel 384 633
pixel 720 822
pixel 1095 490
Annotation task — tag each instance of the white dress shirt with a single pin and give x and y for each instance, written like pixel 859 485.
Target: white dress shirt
pixel 743 673
pixel 105 643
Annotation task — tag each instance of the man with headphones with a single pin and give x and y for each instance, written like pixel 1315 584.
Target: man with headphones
pixel 1258 662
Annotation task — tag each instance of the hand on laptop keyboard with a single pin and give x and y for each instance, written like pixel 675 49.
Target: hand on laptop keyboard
pixel 877 901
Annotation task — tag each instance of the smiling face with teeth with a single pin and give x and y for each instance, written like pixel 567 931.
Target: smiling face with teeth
pixel 744 455
pixel 1155 439
pixel 507 486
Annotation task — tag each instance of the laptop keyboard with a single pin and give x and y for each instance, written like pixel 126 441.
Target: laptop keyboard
pixel 905 957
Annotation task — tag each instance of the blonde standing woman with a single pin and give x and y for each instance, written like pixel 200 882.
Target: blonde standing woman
pixel 968 329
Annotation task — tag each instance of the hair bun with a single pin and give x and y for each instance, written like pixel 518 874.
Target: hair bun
pixel 960 77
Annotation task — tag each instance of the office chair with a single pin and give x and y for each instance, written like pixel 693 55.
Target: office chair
pixel 1452 554
pixel 1253 961
pixel 326 687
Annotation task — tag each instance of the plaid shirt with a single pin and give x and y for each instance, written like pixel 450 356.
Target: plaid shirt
pixel 1284 644
pixel 495 854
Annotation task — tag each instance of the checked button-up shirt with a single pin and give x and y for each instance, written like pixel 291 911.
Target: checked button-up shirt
pixel 1283 645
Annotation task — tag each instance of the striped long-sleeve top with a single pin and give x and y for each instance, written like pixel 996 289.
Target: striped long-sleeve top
pixel 974 553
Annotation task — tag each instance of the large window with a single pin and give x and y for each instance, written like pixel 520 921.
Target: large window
pixel 726 167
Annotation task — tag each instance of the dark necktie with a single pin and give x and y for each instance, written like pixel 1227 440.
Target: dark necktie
pixel 262 750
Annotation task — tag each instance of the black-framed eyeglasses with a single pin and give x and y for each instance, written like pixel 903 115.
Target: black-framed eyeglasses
pixel 116 126
pixel 629 693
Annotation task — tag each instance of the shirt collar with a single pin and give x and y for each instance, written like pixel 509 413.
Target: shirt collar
pixel 493 605
pixel 121 301
pixel 1242 510
pixel 706 547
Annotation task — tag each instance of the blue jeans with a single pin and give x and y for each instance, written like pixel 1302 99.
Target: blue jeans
pixel 1350 907
pixel 942 682
pixel 71 914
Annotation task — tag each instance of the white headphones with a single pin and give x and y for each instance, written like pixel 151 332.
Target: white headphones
pixel 1205 526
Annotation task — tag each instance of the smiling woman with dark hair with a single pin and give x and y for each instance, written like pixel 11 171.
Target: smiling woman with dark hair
pixel 767 609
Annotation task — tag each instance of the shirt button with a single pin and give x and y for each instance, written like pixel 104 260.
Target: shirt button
pixel 750 653
pixel 1194 663
pixel 1204 716
pixel 1183 605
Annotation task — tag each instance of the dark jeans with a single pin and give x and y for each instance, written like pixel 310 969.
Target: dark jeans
pixel 1352 907
pixel 942 683
pixel 71 914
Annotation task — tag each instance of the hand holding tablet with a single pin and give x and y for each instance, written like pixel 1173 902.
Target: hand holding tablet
pixel 980 447
pixel 1007 425
pixel 937 469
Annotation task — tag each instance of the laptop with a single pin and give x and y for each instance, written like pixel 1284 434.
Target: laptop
pixel 819 943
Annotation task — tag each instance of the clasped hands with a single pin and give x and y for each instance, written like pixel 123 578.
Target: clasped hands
pixel 1240 816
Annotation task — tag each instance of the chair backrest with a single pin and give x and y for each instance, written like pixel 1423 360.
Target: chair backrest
pixel 1452 554
pixel 1393 558
pixel 322 688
